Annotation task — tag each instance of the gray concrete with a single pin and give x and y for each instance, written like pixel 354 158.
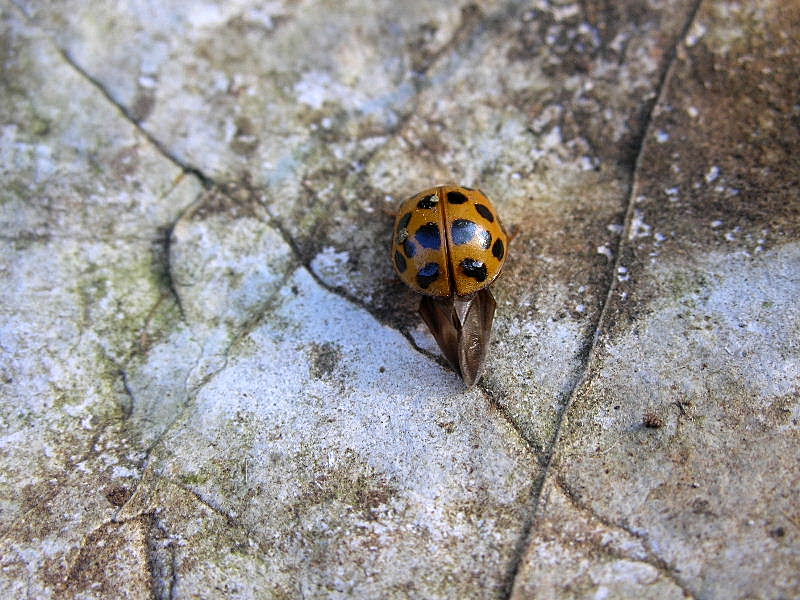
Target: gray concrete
pixel 211 384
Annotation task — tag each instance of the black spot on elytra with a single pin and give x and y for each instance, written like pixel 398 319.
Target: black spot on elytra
pixel 498 250
pixel 428 274
pixel 463 231
pixel 486 239
pixel 474 268
pixel 400 261
pixel 456 198
pixel 428 202
pixel 484 212
pixel 428 236
pixel 409 248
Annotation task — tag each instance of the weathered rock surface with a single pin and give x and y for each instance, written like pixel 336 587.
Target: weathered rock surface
pixel 211 385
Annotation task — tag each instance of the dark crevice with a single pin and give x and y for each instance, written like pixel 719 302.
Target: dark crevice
pixel 169 280
pixel 230 520
pixel 161 559
pixel 496 405
pixel 164 253
pixel 433 356
pixel 523 542
pixel 219 511
pixel 205 181
pixel 590 355
pixel 652 559
pixel 129 403
pixel 340 291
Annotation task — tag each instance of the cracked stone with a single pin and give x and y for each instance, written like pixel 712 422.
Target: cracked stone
pixel 577 555
pixel 211 384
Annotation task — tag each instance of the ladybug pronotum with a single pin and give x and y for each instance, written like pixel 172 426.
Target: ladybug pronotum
pixel 449 245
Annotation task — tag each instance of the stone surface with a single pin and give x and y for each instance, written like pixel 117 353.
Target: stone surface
pixel 212 386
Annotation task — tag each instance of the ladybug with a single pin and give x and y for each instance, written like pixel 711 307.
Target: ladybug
pixel 449 245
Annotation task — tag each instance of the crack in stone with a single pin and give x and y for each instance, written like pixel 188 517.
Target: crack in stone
pixel 218 510
pixel 652 559
pixel 258 318
pixel 191 393
pixel 166 247
pixel 165 242
pixel 509 419
pixel 127 407
pixel 162 569
pixel 339 291
pixel 126 113
pixel 231 520
pixel 590 355
pixel 144 463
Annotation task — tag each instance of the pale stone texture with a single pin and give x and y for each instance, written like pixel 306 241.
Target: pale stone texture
pixel 701 339
pixel 212 386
